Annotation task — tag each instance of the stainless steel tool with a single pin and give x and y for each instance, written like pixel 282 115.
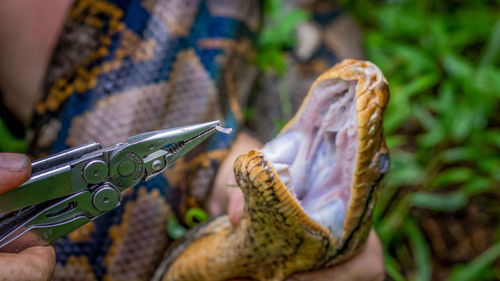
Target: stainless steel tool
pixel 71 188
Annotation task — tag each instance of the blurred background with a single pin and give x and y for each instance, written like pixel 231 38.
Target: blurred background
pixel 437 214
pixel 438 210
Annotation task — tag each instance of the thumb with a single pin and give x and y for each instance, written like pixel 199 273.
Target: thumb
pixel 14 170
pixel 34 263
pixel 235 208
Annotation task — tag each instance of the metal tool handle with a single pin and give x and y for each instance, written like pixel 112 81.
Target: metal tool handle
pixel 46 222
pixel 59 175
pixel 63 157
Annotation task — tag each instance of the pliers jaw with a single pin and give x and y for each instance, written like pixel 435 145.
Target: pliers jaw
pixel 147 155
pixel 74 187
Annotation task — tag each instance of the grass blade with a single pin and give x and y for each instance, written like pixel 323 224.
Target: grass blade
pixel 420 250
pixel 473 270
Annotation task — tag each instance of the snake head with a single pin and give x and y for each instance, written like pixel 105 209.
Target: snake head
pixel 309 193
pixel 328 160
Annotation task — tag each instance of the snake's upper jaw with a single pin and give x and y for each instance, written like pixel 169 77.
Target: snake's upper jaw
pixel 330 155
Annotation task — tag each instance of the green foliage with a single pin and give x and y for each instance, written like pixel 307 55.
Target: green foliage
pixel 421 250
pixel 442 60
pixel 9 143
pixel 174 229
pixel 278 34
pixel 476 269
pixel 196 215
pixel 451 202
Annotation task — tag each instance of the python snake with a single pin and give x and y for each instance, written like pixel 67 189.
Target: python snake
pixel 310 193
pixel 124 67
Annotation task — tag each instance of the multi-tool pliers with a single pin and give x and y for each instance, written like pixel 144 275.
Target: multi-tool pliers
pixel 71 188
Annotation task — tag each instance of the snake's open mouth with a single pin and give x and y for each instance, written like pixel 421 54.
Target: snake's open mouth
pixel 309 193
pixel 315 156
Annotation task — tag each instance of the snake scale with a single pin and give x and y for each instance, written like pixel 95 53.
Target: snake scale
pixel 123 67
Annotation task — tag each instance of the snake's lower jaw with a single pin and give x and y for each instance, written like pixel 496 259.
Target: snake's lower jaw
pixel 310 193
pixel 273 239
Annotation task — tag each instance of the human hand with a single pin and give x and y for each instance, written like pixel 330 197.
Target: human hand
pixel 225 184
pixel 34 263
pixel 366 265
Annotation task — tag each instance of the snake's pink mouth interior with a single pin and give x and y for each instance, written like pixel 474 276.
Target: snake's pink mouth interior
pixel 315 157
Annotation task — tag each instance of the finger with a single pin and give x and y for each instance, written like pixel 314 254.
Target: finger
pixel 235 209
pixel 219 198
pixel 14 170
pixel 35 263
pixel 367 265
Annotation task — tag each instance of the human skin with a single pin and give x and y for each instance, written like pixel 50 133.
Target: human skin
pixel 34 263
pixel 28 30
pixel 368 264
pixel 28 33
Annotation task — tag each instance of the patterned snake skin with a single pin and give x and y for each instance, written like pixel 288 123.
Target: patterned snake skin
pixel 123 67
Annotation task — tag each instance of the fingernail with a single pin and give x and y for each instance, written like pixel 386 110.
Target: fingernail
pixel 13 162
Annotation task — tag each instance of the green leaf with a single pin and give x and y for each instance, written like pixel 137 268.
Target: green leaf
pixel 493 48
pixel 393 222
pixel 9 143
pixel 420 84
pixel 399 20
pixel 427 120
pixel 463 123
pixel 457 154
pixel 393 141
pixel 433 137
pixel 474 269
pixel 392 268
pixel 174 229
pixel 493 136
pixel 420 249
pixel 395 117
pixel 452 176
pixel 457 66
pixel 273 7
pixel 404 169
pixel 490 164
pixel 249 114
pixel 418 63
pixel 281 23
pixel 288 24
pixel 195 215
pixel 279 123
pixel 487 80
pixel 439 202
pixel 445 101
pixel 271 58
pixel 497 233
pixel 477 185
pixel 278 33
